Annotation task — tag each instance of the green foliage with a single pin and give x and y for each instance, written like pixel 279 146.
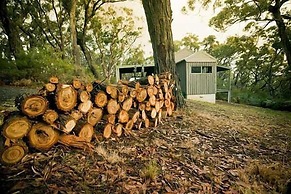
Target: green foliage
pixel 115 33
pixel 38 65
pixel 258 98
pixel 190 41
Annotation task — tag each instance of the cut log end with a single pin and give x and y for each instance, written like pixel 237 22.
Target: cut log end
pixel 107 130
pixel 118 129
pixel 94 116
pixel 50 116
pixel 87 132
pixel 101 99
pixel 16 127
pixel 112 106
pixel 50 87
pixel 123 116
pixel 42 136
pixel 34 105
pixel 77 84
pixel 66 98
pixel 84 107
pixel 54 80
pixel 13 154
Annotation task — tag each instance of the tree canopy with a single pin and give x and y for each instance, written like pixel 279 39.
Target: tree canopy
pixel 85 34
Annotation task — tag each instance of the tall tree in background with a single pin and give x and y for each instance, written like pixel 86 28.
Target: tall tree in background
pixel 254 13
pixel 10 28
pixel 159 19
pixel 115 33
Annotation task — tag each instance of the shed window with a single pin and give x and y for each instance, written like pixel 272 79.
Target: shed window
pixel 206 69
pixel 199 69
pixel 196 69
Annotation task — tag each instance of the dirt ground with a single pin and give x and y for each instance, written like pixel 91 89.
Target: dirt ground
pixel 204 148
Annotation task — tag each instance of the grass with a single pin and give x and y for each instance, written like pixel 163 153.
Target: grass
pixel 151 170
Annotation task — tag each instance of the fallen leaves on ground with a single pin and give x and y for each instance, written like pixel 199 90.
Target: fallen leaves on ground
pixel 204 148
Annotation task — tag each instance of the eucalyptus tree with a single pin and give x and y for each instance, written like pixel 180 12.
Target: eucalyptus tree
pixel 191 41
pixel 264 13
pixel 10 16
pixel 115 33
pixel 159 19
pixel 209 43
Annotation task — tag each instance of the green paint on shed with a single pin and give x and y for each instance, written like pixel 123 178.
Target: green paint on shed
pixel 197 72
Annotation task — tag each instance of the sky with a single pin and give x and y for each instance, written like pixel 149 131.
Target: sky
pixel 195 22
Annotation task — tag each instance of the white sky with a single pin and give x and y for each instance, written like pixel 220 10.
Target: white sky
pixel 194 22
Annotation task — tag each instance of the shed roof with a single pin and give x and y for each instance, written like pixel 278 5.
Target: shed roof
pixel 190 56
pixel 182 54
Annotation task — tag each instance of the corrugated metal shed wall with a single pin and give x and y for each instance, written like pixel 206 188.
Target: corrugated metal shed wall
pixel 201 83
pixel 181 69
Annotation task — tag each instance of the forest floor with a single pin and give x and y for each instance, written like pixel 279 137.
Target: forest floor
pixel 203 148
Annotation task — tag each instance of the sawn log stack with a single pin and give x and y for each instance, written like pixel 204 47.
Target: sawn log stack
pixel 73 114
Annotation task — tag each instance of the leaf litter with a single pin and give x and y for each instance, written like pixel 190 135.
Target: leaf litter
pixel 204 148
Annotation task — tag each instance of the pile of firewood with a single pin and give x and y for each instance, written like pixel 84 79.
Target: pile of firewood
pixel 72 114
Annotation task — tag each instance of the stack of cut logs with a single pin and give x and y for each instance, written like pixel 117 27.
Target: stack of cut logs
pixel 72 114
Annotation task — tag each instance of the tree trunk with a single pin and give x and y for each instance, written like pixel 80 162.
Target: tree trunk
pixel 75 49
pixel 282 31
pixel 11 30
pixel 159 19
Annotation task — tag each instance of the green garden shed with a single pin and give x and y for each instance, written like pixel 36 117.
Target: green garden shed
pixel 198 73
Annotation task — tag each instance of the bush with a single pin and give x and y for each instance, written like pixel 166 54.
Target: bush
pixel 38 65
pixel 261 99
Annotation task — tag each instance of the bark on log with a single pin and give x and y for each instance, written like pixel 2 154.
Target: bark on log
pixel 67 123
pixel 75 141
